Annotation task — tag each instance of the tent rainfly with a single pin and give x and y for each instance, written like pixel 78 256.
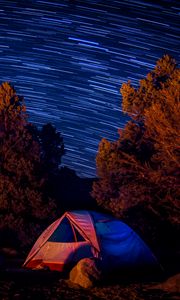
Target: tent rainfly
pixel 81 234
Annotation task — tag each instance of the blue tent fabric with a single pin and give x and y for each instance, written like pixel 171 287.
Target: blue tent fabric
pixel 120 245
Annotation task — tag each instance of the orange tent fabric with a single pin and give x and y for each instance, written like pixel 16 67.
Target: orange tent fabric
pixel 47 252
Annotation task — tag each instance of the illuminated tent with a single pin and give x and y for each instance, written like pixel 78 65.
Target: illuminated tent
pixel 80 234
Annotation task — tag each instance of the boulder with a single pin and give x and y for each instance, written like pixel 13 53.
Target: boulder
pixel 171 285
pixel 86 273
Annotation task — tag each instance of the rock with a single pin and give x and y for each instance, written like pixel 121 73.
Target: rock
pixel 171 285
pixel 86 273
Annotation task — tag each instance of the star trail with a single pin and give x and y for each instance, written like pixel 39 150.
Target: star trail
pixel 69 59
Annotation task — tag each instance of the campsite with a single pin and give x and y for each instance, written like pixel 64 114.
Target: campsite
pixel 111 237
pixel 81 234
pixel 19 284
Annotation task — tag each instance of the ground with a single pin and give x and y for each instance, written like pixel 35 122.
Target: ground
pixel 16 283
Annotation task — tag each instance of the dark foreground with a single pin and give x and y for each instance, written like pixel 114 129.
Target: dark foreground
pixel 25 284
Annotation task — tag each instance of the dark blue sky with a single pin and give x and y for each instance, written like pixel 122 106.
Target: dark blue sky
pixel 69 59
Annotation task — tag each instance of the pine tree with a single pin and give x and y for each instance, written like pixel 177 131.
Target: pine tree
pixel 52 148
pixel 141 167
pixel 22 206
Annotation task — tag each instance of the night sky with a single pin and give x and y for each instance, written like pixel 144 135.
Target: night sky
pixel 69 59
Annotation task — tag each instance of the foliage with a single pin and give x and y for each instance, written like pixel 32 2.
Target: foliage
pixel 23 207
pixel 52 147
pixel 141 167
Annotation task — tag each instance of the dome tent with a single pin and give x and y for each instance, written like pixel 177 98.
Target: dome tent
pixel 82 234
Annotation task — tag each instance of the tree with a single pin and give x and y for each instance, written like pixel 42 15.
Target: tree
pixel 141 167
pixel 23 207
pixel 52 148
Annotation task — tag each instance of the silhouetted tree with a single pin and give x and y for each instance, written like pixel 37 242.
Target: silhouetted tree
pixel 22 205
pixel 52 147
pixel 141 167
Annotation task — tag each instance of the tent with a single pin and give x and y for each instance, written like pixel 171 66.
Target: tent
pixel 80 234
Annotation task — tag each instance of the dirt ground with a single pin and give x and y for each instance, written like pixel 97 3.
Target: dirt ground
pixel 26 284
